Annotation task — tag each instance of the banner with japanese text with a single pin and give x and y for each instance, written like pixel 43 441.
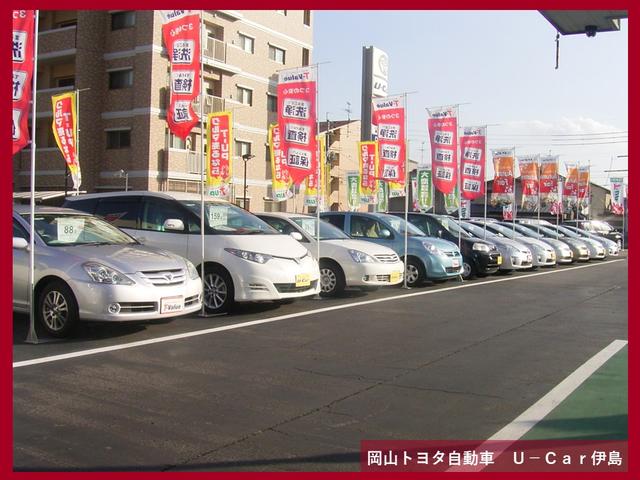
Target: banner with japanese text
pixel 451 201
pixel 413 177
pixel 557 208
pixel 443 133
pixel 529 169
pixel 584 179
pixel 219 168
pixel 465 208
pixel 424 189
pixel 23 52
pixel 472 152
pixel 617 195
pixel 280 180
pixel 65 132
pixel 549 191
pixel 298 121
pixel 181 34
pixel 368 163
pixel 388 116
pixel 503 192
pixel 570 191
pixel 311 184
pixel 353 191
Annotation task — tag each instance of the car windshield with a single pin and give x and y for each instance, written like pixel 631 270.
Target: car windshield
pixel 62 230
pixel 545 231
pixel 398 225
pixel 567 232
pixel 229 219
pixel 450 225
pixel 327 231
pixel 477 231
pixel 527 232
pixel 506 231
pixel 600 226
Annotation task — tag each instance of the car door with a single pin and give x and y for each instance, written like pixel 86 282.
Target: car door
pixel 371 229
pixel 154 212
pixel 20 270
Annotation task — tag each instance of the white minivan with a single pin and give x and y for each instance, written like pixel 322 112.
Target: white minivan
pixel 245 260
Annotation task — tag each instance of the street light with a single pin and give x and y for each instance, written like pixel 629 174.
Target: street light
pixel 124 174
pixel 246 157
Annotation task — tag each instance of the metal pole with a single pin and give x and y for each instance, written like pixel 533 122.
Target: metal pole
pixel 202 137
pixel 244 183
pixel 624 212
pixel 513 205
pixel 539 171
pixel 406 194
pixel 32 337
pixel 318 162
pixel 459 181
pixel 484 180
pixel 77 91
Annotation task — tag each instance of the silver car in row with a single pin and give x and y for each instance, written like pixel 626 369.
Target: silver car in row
pixel 87 269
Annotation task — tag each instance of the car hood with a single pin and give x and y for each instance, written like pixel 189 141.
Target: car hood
pixel 507 242
pixel 574 241
pixel 445 245
pixel 553 242
pixel 276 245
pixel 534 242
pixel 124 258
pixel 369 248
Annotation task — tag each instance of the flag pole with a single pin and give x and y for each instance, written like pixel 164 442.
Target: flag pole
pixel 318 183
pixel 459 179
pixel 513 205
pixel 202 139
pixel 484 180
pixel 32 336
pixel 406 189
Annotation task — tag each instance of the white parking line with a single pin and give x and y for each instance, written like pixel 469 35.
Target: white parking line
pixel 112 348
pixel 534 414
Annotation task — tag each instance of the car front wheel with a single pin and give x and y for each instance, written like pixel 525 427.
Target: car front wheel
pixel 218 290
pixel 331 279
pixel 415 272
pixel 57 309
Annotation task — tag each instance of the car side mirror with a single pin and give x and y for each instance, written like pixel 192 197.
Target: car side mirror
pixel 20 243
pixel 173 224
pixel 439 233
pixel 384 233
pixel 297 236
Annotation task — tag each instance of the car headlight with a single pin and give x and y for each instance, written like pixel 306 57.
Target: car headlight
pixel 193 273
pixel 251 256
pixel 102 274
pixel 481 247
pixel 431 248
pixel 361 257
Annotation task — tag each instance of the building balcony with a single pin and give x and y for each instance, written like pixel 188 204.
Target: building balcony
pixel 211 104
pixel 57 42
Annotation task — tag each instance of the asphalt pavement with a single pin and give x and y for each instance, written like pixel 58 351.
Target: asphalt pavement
pixel 299 391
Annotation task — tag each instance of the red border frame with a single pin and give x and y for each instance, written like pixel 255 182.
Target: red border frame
pixel 6 444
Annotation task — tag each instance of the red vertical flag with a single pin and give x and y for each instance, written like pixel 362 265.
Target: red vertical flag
pixel 472 151
pixel 181 34
pixel 388 116
pixel 297 119
pixel 23 53
pixel 443 133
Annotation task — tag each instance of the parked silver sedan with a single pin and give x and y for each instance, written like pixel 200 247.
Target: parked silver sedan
pixel 87 269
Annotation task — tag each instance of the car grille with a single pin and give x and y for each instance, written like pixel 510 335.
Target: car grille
pixel 291 287
pixel 162 278
pixel 451 254
pixel 138 307
pixel 453 269
pixel 383 258
pixel 189 301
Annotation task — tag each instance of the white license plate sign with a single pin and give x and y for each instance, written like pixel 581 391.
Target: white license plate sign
pixel 171 304
pixel 303 280
pixel 395 276
pixel 455 263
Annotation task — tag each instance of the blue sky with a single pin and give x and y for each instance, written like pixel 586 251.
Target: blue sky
pixel 502 63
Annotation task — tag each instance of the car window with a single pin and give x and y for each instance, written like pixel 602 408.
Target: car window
pixel 422 223
pixel 19 232
pixel 327 231
pixel 228 219
pixel 156 211
pixel 365 227
pixel 336 220
pixel 120 212
pixel 280 225
pixel 83 204
pixel 62 229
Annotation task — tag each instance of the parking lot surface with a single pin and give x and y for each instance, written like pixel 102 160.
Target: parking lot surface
pixel 300 390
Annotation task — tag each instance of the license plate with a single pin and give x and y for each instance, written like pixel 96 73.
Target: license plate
pixel 303 280
pixel 529 259
pixel 455 263
pixel 395 277
pixel 171 304
pixel 500 260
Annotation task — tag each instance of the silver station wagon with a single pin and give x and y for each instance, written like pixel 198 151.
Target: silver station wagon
pixel 87 269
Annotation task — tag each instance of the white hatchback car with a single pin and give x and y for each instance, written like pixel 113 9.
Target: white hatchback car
pixel 245 260
pixel 344 262
pixel 87 269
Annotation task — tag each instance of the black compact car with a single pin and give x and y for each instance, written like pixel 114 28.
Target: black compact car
pixel 480 257
pixel 598 227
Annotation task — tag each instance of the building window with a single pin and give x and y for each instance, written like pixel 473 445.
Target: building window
pixel 245 95
pixel 67 23
pixel 307 17
pixel 243 148
pixel 305 57
pixel 65 82
pixel 246 43
pixel 120 20
pixel 120 79
pixel 276 54
pixel 118 139
pixel 272 103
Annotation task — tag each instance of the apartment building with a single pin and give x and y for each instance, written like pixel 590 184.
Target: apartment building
pixel 117 63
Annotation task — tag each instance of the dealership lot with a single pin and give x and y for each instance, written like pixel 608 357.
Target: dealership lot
pixel 302 389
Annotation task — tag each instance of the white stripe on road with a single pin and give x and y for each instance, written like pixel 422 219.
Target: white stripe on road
pixel 169 338
pixel 534 414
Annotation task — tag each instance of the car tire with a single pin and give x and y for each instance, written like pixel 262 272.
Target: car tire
pixel 332 280
pixel 468 271
pixel 218 290
pixel 57 309
pixel 416 273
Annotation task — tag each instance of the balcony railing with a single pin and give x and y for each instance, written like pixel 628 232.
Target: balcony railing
pixel 215 49
pixel 211 104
